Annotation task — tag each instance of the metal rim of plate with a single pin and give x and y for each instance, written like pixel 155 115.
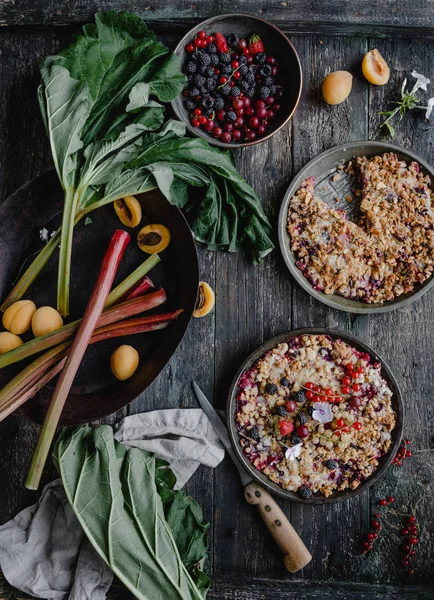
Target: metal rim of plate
pixel 324 165
pixel 397 405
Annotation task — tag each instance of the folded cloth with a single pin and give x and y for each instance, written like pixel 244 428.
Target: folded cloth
pixel 43 550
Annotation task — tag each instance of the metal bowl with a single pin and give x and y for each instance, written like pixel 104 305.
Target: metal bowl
pixel 322 167
pixel 384 461
pixel 95 392
pixel 275 43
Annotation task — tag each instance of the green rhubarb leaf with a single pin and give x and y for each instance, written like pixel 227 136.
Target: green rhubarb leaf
pixel 114 493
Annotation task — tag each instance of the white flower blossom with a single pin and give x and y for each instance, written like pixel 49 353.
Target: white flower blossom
pixel 43 234
pixel 421 82
pixel 322 412
pixel 429 108
pixel 293 451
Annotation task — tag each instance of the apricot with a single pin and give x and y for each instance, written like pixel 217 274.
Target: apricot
pixel 375 68
pixel 205 300
pixel 336 87
pixel 129 211
pixel 124 362
pixel 9 341
pixel 18 317
pixel 153 238
pixel 45 320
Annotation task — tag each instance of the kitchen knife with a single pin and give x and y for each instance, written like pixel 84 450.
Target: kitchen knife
pixel 296 555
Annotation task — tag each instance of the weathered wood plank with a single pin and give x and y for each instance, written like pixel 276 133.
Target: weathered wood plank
pixel 248 588
pixel 403 18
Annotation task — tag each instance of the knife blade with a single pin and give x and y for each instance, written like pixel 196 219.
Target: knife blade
pixel 296 555
pixel 221 430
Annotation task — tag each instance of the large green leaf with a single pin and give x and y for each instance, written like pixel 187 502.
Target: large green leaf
pixel 114 493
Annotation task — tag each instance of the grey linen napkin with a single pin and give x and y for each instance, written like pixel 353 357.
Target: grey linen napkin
pixel 43 550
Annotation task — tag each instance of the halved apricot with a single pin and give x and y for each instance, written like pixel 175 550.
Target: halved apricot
pixel 153 238
pixel 129 211
pixel 375 68
pixel 205 300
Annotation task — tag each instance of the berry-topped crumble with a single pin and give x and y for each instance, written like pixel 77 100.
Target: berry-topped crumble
pixel 315 415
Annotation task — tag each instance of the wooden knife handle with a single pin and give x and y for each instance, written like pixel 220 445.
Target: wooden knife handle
pixel 296 555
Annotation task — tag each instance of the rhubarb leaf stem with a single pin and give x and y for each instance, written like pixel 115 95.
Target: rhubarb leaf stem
pixel 125 286
pixel 93 312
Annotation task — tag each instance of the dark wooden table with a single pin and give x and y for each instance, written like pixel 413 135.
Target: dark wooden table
pixel 257 302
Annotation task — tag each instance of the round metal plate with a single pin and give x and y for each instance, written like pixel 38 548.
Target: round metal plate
pixel 384 461
pixel 322 168
pixel 96 393
pixel 275 41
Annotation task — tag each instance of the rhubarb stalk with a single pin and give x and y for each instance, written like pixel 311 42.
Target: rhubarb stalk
pixel 26 385
pixel 127 284
pixel 93 312
pixel 129 308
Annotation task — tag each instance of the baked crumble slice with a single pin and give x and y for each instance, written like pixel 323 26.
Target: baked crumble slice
pixel 383 255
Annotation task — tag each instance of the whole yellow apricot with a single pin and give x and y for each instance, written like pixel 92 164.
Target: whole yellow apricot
pixel 9 341
pixel 46 320
pixel 124 362
pixel 18 317
pixel 375 68
pixel 336 87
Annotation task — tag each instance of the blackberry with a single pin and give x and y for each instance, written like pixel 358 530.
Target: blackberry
pixel 265 70
pixel 250 92
pixel 270 388
pixel 261 57
pixel 211 48
pixel 280 411
pixel 242 60
pixel 191 67
pixel 243 69
pixel 269 81
pixel 302 418
pixel 194 91
pixel 253 434
pixel 205 59
pixel 208 102
pixel 203 69
pixel 295 439
pixel 225 58
pixel 300 397
pixel 310 410
pixel 232 40
pixel 210 84
pixel 284 381
pixel 199 80
pixel 194 57
pixel 250 78
pixel 252 68
pixel 226 70
pixel 210 72
pixel 214 60
pixel 235 91
pixel 219 103
pixel 190 78
pixel 332 465
pixel 273 89
pixel 226 89
pixel 208 110
pixel 244 86
pixel 231 115
pixel 203 89
pixel 304 492
pixel 189 105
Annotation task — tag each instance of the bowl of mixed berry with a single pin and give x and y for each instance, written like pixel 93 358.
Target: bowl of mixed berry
pixel 243 80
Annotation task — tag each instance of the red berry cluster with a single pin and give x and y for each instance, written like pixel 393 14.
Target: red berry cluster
pixel 402 454
pixel 373 534
pixel 318 394
pixel 410 534
pixel 232 91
